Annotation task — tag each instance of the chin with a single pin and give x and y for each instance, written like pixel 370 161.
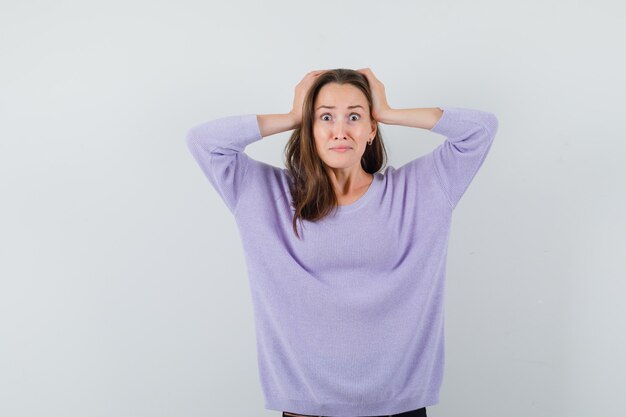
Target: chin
pixel 334 164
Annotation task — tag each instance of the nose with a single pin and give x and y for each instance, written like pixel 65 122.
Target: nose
pixel 339 130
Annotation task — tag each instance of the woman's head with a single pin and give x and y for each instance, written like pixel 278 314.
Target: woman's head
pixel 337 111
pixel 342 125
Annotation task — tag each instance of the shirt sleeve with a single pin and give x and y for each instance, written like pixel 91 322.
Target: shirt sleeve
pixel 218 148
pixel 469 135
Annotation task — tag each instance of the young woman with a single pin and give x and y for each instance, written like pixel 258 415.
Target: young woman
pixel 346 262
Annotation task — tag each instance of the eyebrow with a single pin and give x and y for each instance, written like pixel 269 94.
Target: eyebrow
pixel 332 107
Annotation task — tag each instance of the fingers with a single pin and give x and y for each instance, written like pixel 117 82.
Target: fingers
pixel 314 73
pixel 369 75
pixel 310 75
pixel 371 78
pixel 367 72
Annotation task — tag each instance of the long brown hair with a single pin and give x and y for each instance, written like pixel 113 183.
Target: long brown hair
pixel 311 189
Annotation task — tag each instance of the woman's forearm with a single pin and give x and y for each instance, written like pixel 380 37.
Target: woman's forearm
pixel 270 124
pixel 424 118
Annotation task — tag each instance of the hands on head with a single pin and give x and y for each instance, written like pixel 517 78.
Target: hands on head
pixel 379 99
pixel 301 89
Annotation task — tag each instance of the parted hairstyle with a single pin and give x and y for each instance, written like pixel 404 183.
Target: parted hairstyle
pixel 312 193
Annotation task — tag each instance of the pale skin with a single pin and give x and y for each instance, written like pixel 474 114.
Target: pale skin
pixel 349 127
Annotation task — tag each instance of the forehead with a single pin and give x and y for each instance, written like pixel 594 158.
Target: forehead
pixel 344 95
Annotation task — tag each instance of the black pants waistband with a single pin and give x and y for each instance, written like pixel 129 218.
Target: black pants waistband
pixel 419 412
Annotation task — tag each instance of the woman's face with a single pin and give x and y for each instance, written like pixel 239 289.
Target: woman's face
pixel 341 120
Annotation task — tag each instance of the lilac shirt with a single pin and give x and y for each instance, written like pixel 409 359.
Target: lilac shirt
pixel 349 320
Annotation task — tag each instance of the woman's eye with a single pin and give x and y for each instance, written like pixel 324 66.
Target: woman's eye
pixel 353 114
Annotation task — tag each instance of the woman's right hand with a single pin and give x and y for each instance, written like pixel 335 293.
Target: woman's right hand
pixel 300 93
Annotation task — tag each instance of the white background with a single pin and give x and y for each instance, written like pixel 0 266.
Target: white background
pixel 123 289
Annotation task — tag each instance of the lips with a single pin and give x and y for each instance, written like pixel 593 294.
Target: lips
pixel 341 147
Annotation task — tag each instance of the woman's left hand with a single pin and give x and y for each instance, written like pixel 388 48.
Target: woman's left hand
pixel 379 98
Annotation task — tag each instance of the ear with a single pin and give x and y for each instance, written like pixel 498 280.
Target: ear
pixel 374 127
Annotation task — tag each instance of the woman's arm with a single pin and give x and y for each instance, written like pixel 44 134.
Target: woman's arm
pixel 469 134
pixel 270 124
pixel 218 147
pixel 424 118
